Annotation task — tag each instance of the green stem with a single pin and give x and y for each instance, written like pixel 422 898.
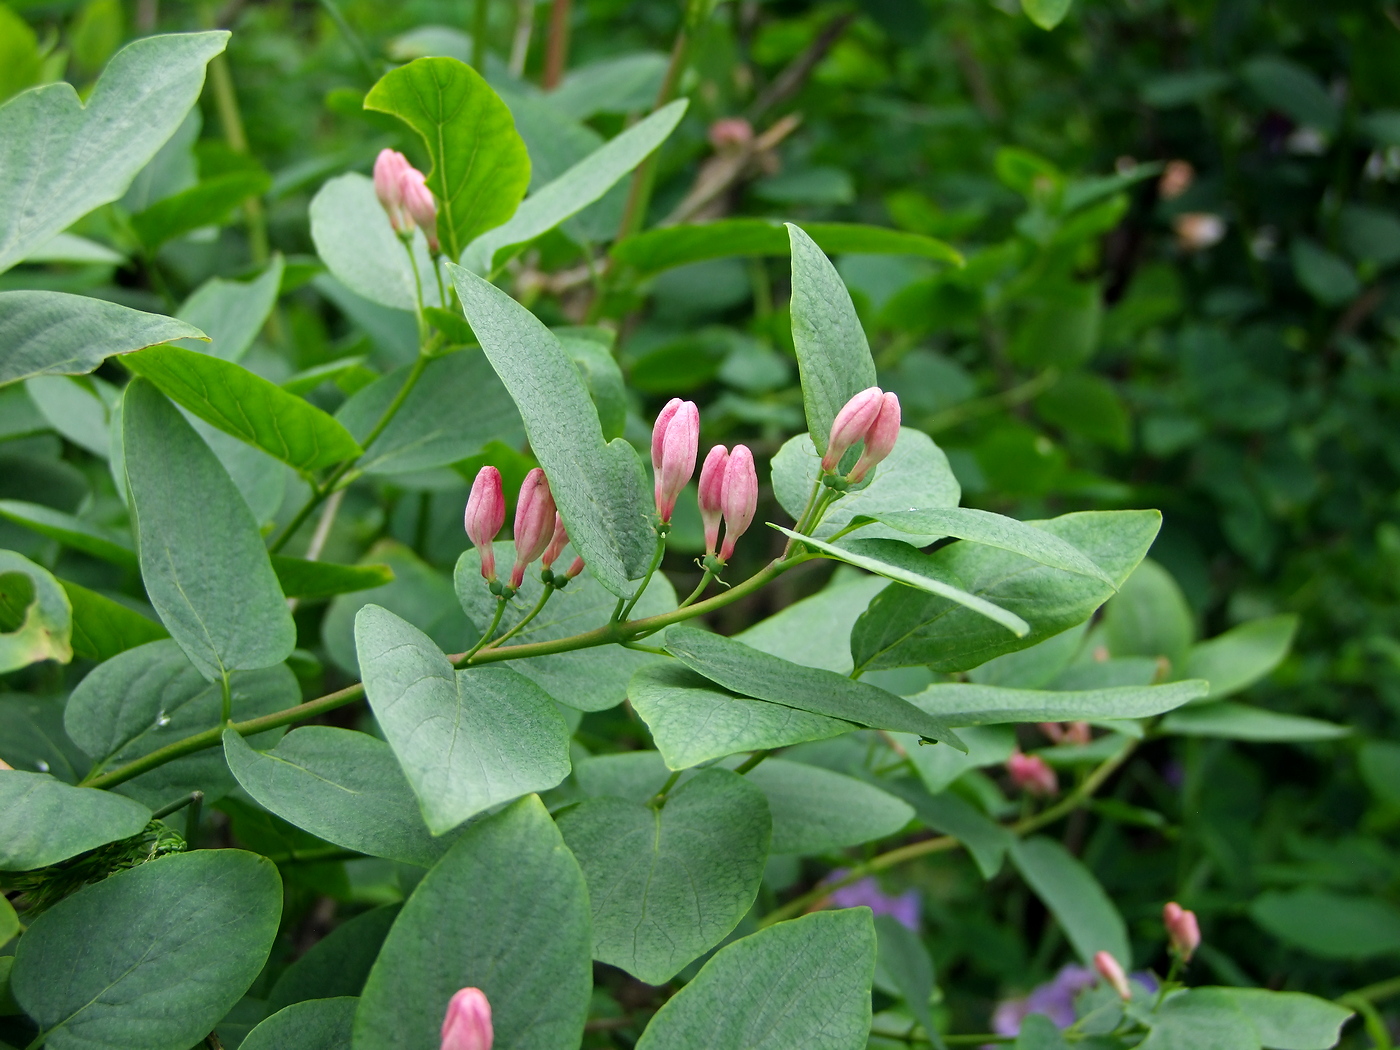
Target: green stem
pixel 644 648
pixel 752 761
pixel 227 709
pixel 659 799
pixel 480 23
pixel 226 102
pixel 351 37
pixel 407 241
pixel 1375 992
pixel 699 589
pixel 1168 982
pixel 656 557
pixel 548 593
pixel 486 634
pixel 177 805
pixel 644 178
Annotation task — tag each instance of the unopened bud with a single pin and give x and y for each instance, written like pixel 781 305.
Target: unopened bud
pixel 850 425
pixel 534 523
pixel 486 513
pixel 556 543
pixel 712 494
pixel 418 202
pixel 1112 972
pixel 730 134
pixel 389 168
pixel 574 569
pixel 739 497
pixel 1032 775
pixel 880 438
pixel 1176 179
pixel 467 1025
pixel 675 439
pixel 1182 930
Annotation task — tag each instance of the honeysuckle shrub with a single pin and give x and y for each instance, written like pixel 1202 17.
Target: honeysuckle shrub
pixel 614 811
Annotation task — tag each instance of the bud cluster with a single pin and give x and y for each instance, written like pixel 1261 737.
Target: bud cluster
pixel 539 530
pixel 403 191
pixel 1183 931
pixel 872 417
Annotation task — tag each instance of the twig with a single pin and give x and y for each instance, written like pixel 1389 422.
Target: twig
pixel 791 79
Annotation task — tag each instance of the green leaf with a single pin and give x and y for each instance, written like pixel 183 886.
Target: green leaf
pixel 1379 764
pixel 232 313
pixel 54 333
pixel 903 958
pixel 1069 890
pixel 1295 90
pixel 1088 405
pixel 37 617
pixel 151 696
pixel 752 673
pixel 182 939
pixel 1328 278
pixel 601 374
pixel 202 557
pixel 340 785
pixel 73 409
pixel 1038 1032
pixel 599 488
pixel 506 911
pixel 833 357
pixel 209 202
pixel 1231 721
pixel 816 631
pixel 1328 924
pixel 480 165
pixel 9 924
pixel 587 679
pixel 1241 656
pixel 1200 1019
pixel 950 814
pixel 247 406
pixel 906 628
pixel 1062 329
pixel 1290 1020
pixel 44 821
pixel 1149 617
pixel 668 883
pixel 1046 13
pixel 32 737
pixel 624 84
pixel 692 720
pixel 467 740
pixel 318 1024
pixel 673 246
pixel 966 704
pixel 986 746
pixel 103 628
pixel 804 983
pixel 817 811
pixel 300 578
pixel 1038 666
pixel 79 157
pixel 338 963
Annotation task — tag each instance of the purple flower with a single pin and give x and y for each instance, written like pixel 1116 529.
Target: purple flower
pixel 905 907
pixel 1054 999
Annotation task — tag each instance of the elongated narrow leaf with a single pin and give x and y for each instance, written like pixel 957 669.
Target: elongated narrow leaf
pixel 44 821
pixel 599 488
pixel 752 673
pixel 202 557
pixel 102 628
pixel 1089 919
pixel 1238 658
pixel 207 203
pixel 231 313
pixel 577 188
pixel 804 983
pixel 1231 721
pixel 247 406
pixel 78 157
pixel 319 579
pixel 816 811
pixel 467 740
pixel 480 165
pixel 816 631
pixel 950 814
pixel 54 333
pixel 668 883
pixel 903 959
pixel 31 596
pixel 965 704
pixel 317 1024
pixel 506 911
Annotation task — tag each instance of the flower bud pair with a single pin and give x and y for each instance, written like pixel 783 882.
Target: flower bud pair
pixel 1032 775
pixel 1183 931
pixel 538 528
pixel 872 416
pixel 467 1025
pixel 728 491
pixel 675 440
pixel 403 191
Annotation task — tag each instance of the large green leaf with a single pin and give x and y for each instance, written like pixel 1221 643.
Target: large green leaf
pixel 231 313
pixel 906 628
pixel 598 487
pixel 1089 919
pixel 1290 1020
pixel 1149 616
pixel 1046 13
pixel 1328 924
pixel 1231 721
pixel 320 579
pixel 804 983
pixel 182 938
pixel 1201 1019
pixel 102 628
pixel 1241 656
pixel 44 821
pixel 317 1024
pixel 480 165
pixel 202 557
pixel 667 883
pixel 966 704
pixel 32 737
pixel 752 673
pixel 816 631
pixel 247 406
pixel 338 963
pixel 75 409
pixel 54 333
pixel 38 614
pixel 950 814
pixel 817 811
pixel 340 785
pixel 69 158
pixel 506 911
pixel 467 740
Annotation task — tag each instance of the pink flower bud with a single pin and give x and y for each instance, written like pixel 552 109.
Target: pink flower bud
pixel 1113 973
pixel 712 494
pixel 1182 929
pixel 389 167
pixel 467 1025
pixel 674 442
pixel 556 543
pixel 418 202
pixel 730 134
pixel 486 513
pixel 574 569
pixel 739 497
pixel 1032 775
pixel 850 425
pixel 534 523
pixel 880 438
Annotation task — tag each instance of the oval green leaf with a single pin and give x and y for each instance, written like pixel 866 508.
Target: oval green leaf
pixel 44 821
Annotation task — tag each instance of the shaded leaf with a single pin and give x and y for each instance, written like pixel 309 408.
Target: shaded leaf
pixel 1089 919
pixel 1232 721
pixel 35 613
pixel 44 821
pixel 300 578
pixel 103 628
pixel 317 1024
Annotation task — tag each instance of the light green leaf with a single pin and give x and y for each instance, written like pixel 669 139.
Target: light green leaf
pixel 577 188
pixel 803 983
pixel 480 165
pixel 815 631
pixel 1200 1019
pixel 9 926
pixel 73 409
pixel 817 811
pixel 1232 721
pixel 1241 656
pixel 967 704
pixel 1089 919
pixel 1328 278
pixel 1149 617
pixel 1294 89
pixel 103 628
pixel 44 821
pixel 1328 924
pixel 1038 1032
pixel 668 883
pixel 594 359
pixel 622 84
pixel 54 333
pixel 599 488
pixel 70 248
pixel 950 814
pixel 183 937
pixel 38 613
pixel 506 911
pixel 78 157
pixel 1036 667
pixel 340 785
pixel 986 746
pixel 317 1024
pixel 736 666
pixel 300 578
pixel 1046 13
pixel 903 959
pixel 209 202
pixel 231 313
pixel 467 740
pixel 1290 1020
pixel 247 406
pixel 338 963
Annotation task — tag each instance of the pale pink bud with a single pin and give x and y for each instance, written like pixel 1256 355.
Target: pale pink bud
pixel 880 438
pixel 574 569
pixel 486 513
pixel 850 425
pixel 1113 973
pixel 1176 179
pixel 1053 730
pixel 712 494
pixel 467 1025
pixel 1078 733
pixel 534 523
pixel 674 442
pixel 389 167
pixel 729 134
pixel 1032 775
pixel 739 497
pixel 556 543
pixel 1182 929
pixel 418 202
